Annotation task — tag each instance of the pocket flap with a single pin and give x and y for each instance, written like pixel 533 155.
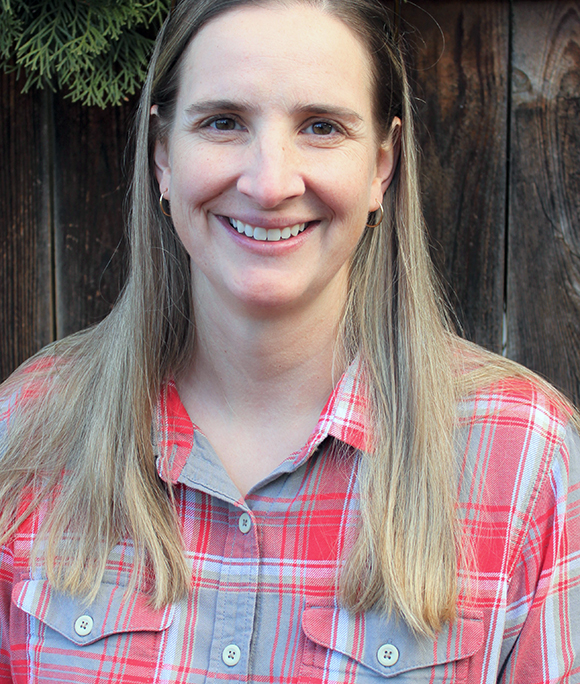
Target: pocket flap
pixel 365 635
pixel 110 613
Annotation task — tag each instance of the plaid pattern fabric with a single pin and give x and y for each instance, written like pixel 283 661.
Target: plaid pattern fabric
pixel 263 603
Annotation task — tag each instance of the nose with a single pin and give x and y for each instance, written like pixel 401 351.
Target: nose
pixel 272 171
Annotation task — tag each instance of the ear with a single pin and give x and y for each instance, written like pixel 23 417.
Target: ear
pixel 162 163
pixel 387 160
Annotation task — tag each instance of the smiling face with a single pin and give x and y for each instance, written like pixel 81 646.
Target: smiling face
pixel 272 163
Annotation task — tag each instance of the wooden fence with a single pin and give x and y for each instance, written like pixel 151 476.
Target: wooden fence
pixel 498 87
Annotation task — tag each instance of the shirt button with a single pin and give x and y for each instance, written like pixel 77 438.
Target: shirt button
pixel 231 655
pixel 244 523
pixel 84 625
pixel 387 655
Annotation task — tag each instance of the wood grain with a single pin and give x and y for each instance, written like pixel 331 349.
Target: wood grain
pixel 90 188
pixel 25 279
pixel 544 217
pixel 461 71
pixel 459 63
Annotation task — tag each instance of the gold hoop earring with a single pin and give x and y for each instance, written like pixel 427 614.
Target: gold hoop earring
pixel 378 223
pixel 161 198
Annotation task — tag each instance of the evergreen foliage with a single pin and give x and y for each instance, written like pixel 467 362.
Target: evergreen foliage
pixel 95 50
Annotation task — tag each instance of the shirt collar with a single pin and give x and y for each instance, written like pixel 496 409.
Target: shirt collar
pixel 344 417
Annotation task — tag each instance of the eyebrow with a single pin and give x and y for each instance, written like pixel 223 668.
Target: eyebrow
pixel 320 109
pixel 332 110
pixel 212 106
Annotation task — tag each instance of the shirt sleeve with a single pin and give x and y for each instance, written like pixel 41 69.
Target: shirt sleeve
pixel 542 634
pixel 7 407
pixel 6 581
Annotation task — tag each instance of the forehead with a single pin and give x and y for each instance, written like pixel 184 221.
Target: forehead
pixel 301 49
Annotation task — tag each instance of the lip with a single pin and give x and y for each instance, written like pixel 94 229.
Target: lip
pixel 268 223
pixel 270 234
pixel 266 247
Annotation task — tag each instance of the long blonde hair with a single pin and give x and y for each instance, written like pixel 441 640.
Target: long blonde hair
pixel 87 402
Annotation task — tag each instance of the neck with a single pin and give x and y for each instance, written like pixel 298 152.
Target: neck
pixel 248 361
pixel 257 385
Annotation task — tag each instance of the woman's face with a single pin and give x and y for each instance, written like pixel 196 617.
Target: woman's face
pixel 273 163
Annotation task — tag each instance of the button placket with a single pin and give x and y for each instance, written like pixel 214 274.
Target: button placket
pixel 233 628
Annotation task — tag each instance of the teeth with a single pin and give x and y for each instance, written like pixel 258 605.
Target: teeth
pixel 272 234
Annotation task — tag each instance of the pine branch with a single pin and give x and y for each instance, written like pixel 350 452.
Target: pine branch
pixel 95 50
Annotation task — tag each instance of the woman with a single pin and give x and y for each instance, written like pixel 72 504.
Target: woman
pixel 273 461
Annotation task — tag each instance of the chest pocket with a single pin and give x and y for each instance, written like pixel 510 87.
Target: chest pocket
pixel 369 647
pixel 115 636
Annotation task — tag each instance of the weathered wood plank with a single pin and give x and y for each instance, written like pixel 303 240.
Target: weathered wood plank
pixel 90 188
pixel 25 282
pixel 459 69
pixel 544 217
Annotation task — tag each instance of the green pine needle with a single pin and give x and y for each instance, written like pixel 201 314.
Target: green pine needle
pixel 95 50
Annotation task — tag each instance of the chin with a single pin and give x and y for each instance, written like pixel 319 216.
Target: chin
pixel 270 304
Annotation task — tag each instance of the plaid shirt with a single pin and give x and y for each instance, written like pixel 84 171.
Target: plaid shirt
pixel 262 606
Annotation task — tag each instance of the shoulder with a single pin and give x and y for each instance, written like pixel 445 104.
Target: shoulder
pixel 514 434
pixel 519 405
pixel 520 455
pixel 517 421
pixel 31 403
pixel 508 403
pixel 26 386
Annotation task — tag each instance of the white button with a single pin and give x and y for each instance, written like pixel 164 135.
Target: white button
pixel 245 523
pixel 231 655
pixel 84 625
pixel 387 655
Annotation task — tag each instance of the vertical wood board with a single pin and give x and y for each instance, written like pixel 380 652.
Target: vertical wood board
pixel 459 71
pixel 544 218
pixel 25 240
pixel 90 189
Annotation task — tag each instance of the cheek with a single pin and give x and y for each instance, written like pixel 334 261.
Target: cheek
pixel 350 207
pixel 349 185
pixel 193 170
pixel 187 238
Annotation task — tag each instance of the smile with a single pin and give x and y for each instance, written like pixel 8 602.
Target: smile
pixel 270 234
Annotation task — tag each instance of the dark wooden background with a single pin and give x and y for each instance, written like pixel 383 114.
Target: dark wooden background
pixel 498 88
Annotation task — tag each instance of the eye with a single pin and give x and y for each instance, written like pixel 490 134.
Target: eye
pixel 223 123
pixel 321 128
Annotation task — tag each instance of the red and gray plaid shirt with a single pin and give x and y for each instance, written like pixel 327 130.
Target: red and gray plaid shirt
pixel 262 606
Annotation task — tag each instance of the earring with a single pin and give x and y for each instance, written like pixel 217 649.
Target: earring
pixel 378 223
pixel 161 205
